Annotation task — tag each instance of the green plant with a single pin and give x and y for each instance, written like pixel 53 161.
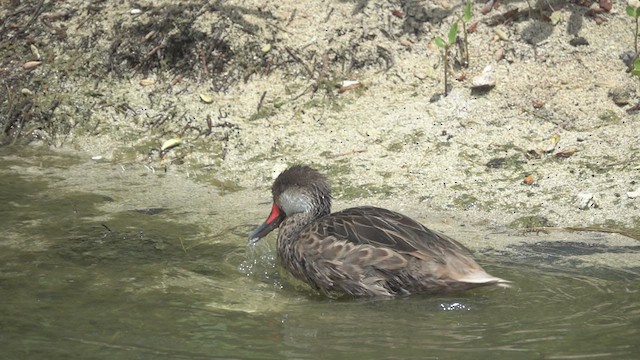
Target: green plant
pixel 446 46
pixel 464 19
pixel 633 10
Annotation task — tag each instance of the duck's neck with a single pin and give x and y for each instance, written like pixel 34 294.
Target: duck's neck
pixel 291 226
pixel 288 237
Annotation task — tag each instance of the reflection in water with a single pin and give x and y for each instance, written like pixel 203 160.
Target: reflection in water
pixel 154 284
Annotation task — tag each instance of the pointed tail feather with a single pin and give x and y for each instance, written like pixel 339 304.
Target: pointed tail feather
pixel 481 277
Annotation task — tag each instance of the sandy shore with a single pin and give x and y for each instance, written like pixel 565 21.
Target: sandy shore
pixel 395 140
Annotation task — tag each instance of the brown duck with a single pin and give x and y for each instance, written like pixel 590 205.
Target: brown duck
pixel 361 251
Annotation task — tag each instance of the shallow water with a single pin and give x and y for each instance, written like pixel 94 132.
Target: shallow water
pixel 120 262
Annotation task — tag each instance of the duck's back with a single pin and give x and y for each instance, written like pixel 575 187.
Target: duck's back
pixel 374 251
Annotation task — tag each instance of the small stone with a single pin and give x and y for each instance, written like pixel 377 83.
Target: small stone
pixel 579 41
pixel 627 57
pixel 621 95
pixel 207 99
pixel 537 103
pixel 35 52
pixel 406 43
pixel 634 194
pixel 565 153
pixel 529 180
pixel 266 48
pixel 486 80
pixel 501 34
pixel 421 74
pixel 585 201
pixel 555 17
pixel 147 82
pixel 171 143
pixel 31 64
pixel 374 133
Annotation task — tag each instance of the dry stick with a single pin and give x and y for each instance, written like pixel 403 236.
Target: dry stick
pixel 446 69
pixel 182 244
pixel 297 58
pixel 87 18
pixel 293 15
pixel 205 69
pixel 261 101
pixel 325 67
pixel 635 43
pixel 353 152
pixel 309 88
pixel 328 15
pixel 36 14
pixel 622 232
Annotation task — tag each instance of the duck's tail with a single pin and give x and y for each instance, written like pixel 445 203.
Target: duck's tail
pixel 483 278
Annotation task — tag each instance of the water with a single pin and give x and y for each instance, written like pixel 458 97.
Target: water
pixel 102 261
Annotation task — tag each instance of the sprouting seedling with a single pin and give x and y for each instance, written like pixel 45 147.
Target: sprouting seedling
pixel 446 46
pixel 633 10
pixel 464 19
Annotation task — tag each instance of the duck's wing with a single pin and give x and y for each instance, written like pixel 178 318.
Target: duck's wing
pixel 346 245
pixel 387 229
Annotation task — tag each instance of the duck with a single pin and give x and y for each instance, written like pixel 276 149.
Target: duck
pixel 361 251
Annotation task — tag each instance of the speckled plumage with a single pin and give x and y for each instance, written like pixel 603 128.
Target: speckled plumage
pixel 362 251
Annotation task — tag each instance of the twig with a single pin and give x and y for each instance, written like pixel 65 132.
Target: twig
pixel 310 87
pixel 353 152
pixel 297 58
pixel 182 244
pixel 630 234
pixel 326 19
pixel 37 12
pixel 205 68
pixel 293 15
pixel 264 94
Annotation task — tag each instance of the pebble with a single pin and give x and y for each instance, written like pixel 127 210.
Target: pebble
pixel 31 64
pixel 374 133
pixel 579 41
pixel 634 194
pixel 621 95
pixel 586 201
pixel 207 99
pixel 35 52
pixel 627 58
pixel 501 34
pixel 171 143
pixel 486 80
pixel 556 17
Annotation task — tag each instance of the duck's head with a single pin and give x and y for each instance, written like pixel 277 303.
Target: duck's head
pixel 299 189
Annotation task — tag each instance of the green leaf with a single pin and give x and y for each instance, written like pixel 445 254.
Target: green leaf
pixel 467 11
pixel 440 42
pixel 453 33
pixel 636 67
pixel 631 11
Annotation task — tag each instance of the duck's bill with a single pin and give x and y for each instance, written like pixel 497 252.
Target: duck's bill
pixel 273 221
